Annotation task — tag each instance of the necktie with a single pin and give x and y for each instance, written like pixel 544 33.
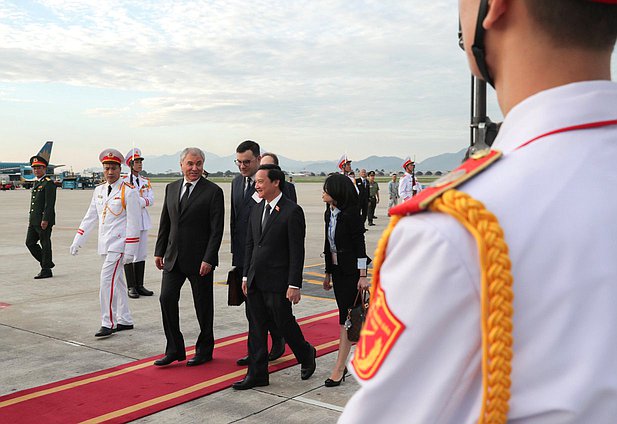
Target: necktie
pixel 137 181
pixel 108 190
pixel 185 197
pixel 247 185
pixel 266 216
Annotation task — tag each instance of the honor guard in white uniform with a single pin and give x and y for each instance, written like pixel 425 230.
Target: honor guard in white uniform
pixel 115 206
pixel 409 185
pixel 493 302
pixel 344 164
pixel 135 271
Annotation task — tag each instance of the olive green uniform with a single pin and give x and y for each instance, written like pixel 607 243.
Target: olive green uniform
pixel 42 208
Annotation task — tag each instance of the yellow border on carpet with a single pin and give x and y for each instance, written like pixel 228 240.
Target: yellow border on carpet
pixel 127 370
pixel 186 391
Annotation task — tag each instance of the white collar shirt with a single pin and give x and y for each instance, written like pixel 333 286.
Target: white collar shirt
pixel 272 204
pixel 192 187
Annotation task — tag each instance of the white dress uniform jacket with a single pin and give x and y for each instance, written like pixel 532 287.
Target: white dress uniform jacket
pixel 556 200
pixel 146 198
pixel 406 187
pixel 119 225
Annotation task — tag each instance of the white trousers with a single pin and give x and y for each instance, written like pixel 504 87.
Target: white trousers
pixel 113 293
pixel 142 250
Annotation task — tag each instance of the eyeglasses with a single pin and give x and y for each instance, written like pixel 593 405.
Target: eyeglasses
pixel 243 162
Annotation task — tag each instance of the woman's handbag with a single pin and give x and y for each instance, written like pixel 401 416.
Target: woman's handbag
pixel 356 315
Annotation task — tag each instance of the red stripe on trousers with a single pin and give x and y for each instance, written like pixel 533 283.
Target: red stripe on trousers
pixel 111 297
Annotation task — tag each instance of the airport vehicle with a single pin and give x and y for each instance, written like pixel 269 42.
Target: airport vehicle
pixel 7 185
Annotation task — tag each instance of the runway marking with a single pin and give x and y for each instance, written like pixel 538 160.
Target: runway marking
pixel 319 298
pixel 316 282
pixel 127 370
pixel 318 403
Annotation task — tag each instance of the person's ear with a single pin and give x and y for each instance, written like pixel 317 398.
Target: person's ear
pixel 496 10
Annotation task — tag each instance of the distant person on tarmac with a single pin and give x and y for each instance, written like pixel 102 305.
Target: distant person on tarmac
pixel 409 185
pixel 373 197
pixel 393 192
pixel 42 217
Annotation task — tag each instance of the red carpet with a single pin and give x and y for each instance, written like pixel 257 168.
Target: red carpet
pixel 137 389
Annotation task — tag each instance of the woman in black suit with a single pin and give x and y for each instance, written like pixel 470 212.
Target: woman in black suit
pixel 345 255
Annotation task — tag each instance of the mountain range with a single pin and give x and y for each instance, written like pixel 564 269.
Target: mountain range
pixel 214 163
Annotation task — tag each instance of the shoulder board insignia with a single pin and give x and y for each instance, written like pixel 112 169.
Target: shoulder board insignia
pixel 477 163
pixel 129 185
pixel 47 179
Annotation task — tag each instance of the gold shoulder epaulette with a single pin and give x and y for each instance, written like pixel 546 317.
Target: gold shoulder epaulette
pixel 477 163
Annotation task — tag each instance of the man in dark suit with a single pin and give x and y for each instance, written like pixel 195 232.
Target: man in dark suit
pixel 42 217
pixel 363 192
pixel 190 233
pixel 272 278
pixel 243 200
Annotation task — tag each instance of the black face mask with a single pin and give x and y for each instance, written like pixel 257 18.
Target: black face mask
pixel 478 48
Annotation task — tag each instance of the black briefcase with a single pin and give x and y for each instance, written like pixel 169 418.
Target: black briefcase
pixel 235 297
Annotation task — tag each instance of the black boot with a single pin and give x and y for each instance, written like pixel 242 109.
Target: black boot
pixel 140 269
pixel 129 274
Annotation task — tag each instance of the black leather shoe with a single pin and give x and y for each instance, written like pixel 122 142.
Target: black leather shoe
pixel 45 273
pixel 133 293
pixel 122 327
pixel 308 368
pixel 243 361
pixel 144 291
pixel 104 332
pixel 198 360
pixel 168 359
pixel 278 348
pixel 250 382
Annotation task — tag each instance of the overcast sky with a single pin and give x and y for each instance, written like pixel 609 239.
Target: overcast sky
pixel 307 79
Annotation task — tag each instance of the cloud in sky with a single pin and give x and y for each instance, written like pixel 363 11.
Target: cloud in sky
pixel 309 79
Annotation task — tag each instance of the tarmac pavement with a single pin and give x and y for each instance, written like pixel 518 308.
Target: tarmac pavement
pixel 47 326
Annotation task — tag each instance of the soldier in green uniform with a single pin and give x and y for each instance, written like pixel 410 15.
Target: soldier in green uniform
pixel 42 217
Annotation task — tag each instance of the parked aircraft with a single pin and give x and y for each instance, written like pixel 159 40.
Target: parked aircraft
pixel 22 171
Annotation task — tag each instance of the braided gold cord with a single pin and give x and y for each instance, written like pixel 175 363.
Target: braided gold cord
pixel 496 299
pixel 496 296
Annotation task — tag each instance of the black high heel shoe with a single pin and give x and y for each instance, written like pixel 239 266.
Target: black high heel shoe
pixel 333 383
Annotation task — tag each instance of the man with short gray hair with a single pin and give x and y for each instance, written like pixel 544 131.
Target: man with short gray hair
pixel 190 234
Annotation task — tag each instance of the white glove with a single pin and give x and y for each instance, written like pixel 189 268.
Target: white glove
pixel 74 249
pixel 128 259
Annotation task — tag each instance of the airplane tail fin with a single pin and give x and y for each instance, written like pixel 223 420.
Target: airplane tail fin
pixel 45 151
